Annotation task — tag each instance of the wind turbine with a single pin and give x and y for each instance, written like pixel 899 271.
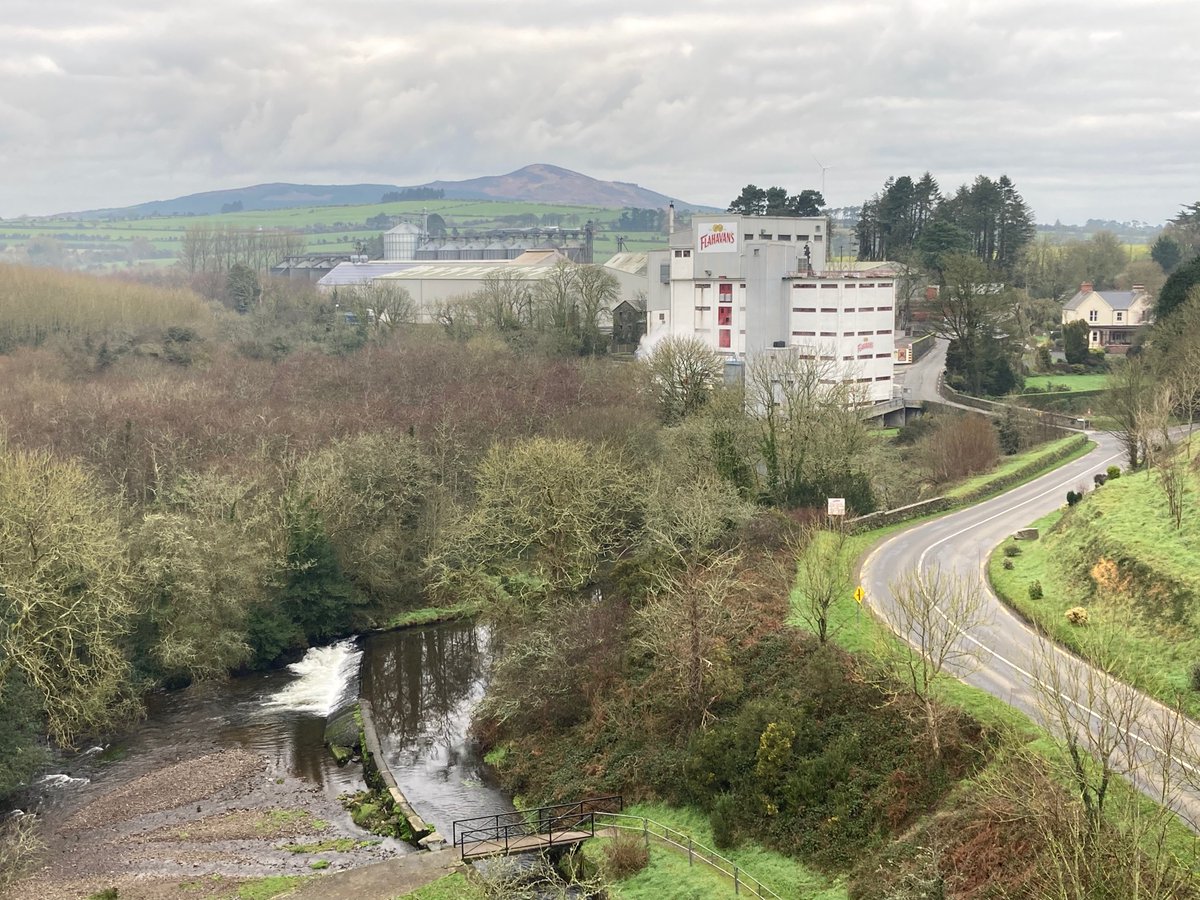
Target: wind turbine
pixel 824 169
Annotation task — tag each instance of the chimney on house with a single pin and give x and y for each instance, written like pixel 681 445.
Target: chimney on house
pixel 1085 288
pixel 1138 288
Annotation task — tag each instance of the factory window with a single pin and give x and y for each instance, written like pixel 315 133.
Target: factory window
pixel 834 286
pixel 802 237
pixel 883 378
pixel 884 331
pixel 765 236
pixel 816 238
pixel 804 309
pixel 703 287
pixel 885 309
pixel 725 315
pixel 871 285
pixel 866 309
pixel 785 237
pixel 662 317
pixel 882 355
pixel 804 287
pixel 866 332
pixel 679 254
pixel 885 284
pixel 726 291
pixel 805 333
pixel 847 334
pixel 864 356
pixel 850 287
pixel 828 309
pixel 828 334
pixel 863 380
pixel 723 339
pixel 847 357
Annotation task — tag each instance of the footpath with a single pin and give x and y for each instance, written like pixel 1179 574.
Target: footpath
pixel 380 881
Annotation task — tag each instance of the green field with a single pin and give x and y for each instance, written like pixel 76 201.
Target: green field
pixel 1067 382
pixel 329 229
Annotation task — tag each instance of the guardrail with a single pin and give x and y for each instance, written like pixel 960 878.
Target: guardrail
pixel 743 882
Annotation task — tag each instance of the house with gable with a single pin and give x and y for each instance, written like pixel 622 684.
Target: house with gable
pixel 1113 317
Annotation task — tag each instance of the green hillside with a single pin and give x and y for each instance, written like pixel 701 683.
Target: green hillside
pixel 1118 555
pixel 329 229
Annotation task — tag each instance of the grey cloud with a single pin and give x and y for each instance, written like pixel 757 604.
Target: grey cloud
pixel 1090 107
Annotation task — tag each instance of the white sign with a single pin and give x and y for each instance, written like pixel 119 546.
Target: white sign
pixel 836 506
pixel 717 237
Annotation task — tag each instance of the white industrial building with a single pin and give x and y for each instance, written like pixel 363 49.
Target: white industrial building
pixel 749 284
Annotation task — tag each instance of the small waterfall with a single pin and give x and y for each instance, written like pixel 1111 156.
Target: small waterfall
pixel 327 680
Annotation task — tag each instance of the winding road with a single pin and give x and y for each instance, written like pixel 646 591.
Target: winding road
pixel 1010 660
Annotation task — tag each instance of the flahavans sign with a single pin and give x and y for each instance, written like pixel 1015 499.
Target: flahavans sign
pixel 717 237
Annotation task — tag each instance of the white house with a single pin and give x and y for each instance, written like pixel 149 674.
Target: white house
pixel 1113 317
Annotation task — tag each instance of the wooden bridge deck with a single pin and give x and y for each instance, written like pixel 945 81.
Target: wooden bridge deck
pixel 528 843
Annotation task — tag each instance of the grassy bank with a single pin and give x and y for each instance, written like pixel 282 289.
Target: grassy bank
pixel 1117 555
pixel 1062 383
pixel 1019 468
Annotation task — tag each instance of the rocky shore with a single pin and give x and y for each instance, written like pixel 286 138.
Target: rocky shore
pixel 206 826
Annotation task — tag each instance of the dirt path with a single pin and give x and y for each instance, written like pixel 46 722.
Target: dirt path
pixel 198 827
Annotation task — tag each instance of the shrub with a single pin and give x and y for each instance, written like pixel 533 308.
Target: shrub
pixel 1007 564
pixel 625 855
pixel 1011 550
pixel 1035 590
pixel 1195 677
pixel 721 819
pixel 1077 615
pixel 1113 472
pixel 1073 497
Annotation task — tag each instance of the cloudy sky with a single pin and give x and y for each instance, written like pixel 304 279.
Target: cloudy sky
pixel 1091 106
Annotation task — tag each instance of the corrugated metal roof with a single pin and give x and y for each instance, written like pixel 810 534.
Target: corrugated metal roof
pixel 632 263
pixel 348 273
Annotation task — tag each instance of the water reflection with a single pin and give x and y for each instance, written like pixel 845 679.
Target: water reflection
pixel 423 685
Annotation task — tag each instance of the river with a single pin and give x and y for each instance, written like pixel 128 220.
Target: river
pixel 422 683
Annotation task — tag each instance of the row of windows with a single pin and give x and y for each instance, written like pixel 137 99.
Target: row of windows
pixel 683 254
pixel 763 236
pixel 848 309
pixel 850 286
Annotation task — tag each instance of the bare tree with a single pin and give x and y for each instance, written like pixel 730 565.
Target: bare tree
pixel 931 611
pixel 682 373
pixel 1166 457
pixel 1109 843
pixel 824 576
pixel 689 626
pixel 810 435
pixel 1123 403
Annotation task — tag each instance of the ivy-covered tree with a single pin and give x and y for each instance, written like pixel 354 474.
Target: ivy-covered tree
pixel 1075 341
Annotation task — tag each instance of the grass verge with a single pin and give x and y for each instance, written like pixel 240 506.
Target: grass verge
pixel 670 875
pixel 1036 461
pixel 1141 624
pixel 449 887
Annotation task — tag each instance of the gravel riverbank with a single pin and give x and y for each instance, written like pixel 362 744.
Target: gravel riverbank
pixel 197 827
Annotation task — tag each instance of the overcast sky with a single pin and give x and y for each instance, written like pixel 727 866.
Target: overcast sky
pixel 1091 106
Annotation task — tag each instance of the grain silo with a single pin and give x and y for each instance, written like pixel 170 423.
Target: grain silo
pixel 401 242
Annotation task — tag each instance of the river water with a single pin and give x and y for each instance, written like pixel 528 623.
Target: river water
pixel 422 683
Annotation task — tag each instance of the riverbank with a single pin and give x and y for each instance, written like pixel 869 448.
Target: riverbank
pixel 224 823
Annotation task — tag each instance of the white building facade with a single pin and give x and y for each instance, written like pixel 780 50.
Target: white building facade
pixel 749 284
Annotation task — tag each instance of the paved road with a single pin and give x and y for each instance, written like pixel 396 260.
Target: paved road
pixel 1011 662
pixel 920 379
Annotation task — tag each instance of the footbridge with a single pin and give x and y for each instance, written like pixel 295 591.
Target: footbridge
pixel 563 825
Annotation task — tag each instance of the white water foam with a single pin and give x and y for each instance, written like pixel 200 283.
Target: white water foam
pixel 323 677
pixel 60 780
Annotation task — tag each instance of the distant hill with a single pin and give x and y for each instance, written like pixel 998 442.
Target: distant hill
pixel 538 183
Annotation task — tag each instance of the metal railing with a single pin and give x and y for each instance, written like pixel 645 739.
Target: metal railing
pixel 562 820
pixel 648 828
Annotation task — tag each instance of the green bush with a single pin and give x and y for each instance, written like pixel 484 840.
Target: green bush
pixel 1035 590
pixel 724 828
pixel 1007 564
pixel 1073 497
pixel 1011 550
pixel 1113 472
